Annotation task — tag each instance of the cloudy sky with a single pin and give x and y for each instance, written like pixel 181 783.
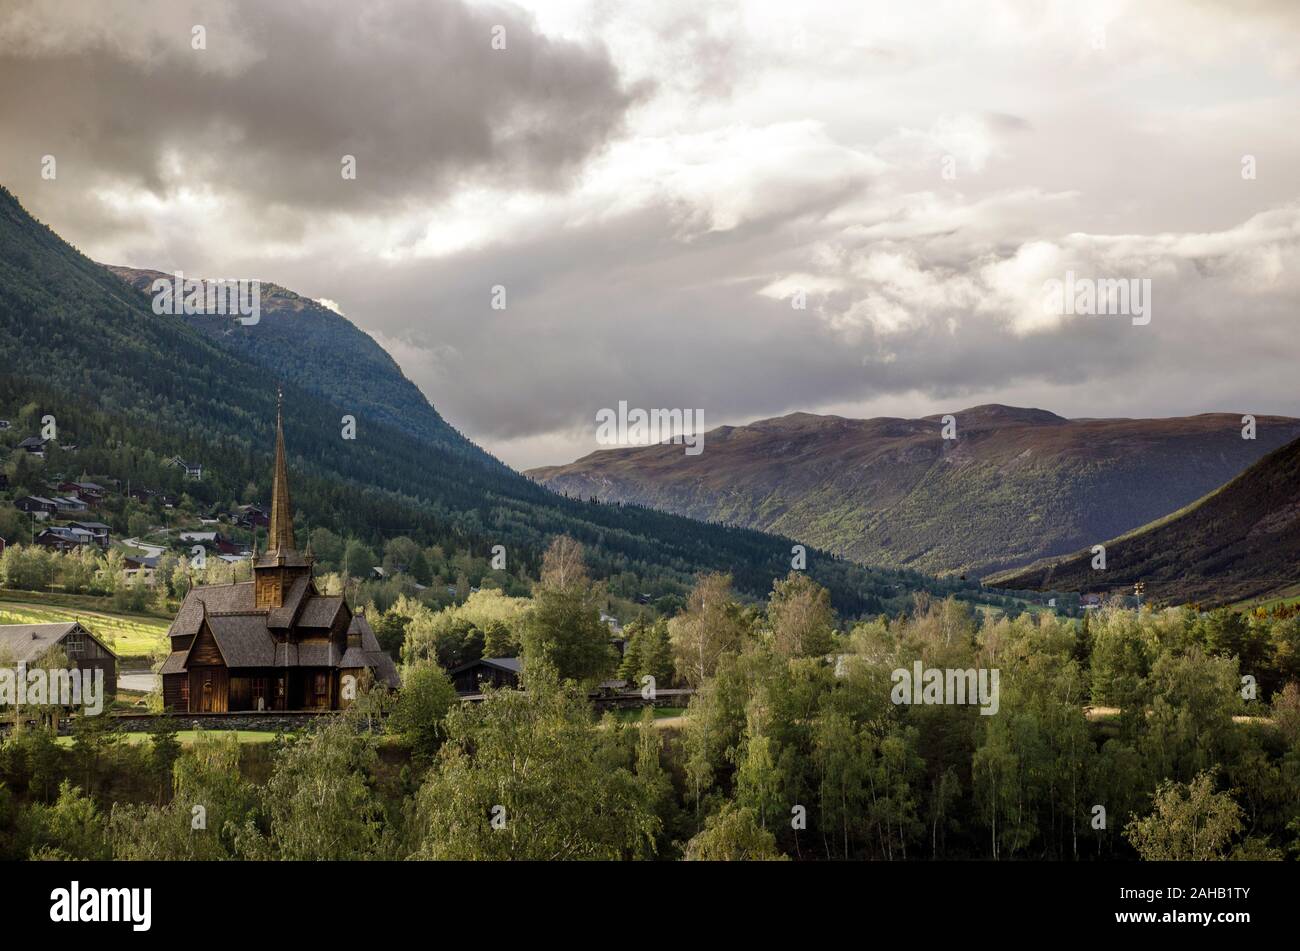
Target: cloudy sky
pixel 656 184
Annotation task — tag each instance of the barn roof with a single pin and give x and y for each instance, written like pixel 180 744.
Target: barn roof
pixel 25 643
pixel 512 664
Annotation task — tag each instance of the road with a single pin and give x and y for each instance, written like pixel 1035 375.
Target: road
pixel 141 680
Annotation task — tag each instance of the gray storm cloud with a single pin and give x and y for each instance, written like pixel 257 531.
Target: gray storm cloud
pixel 284 90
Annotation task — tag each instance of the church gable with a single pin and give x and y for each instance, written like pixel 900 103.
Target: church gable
pixel 205 652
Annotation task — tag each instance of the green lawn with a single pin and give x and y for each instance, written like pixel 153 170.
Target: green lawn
pixel 187 737
pixel 130 635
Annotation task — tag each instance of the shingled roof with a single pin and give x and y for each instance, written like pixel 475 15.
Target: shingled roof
pixel 361 626
pixel 384 668
pixel 219 599
pixel 243 639
pixel 26 643
pixel 247 637
pixel 309 654
pixel 320 612
pixel 286 615
pixel 354 657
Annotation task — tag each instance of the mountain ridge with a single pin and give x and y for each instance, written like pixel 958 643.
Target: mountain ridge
pixel 1016 484
pixel 386 393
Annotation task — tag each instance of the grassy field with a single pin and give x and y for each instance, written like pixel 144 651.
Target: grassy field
pixel 130 635
pixel 992 612
pixel 187 737
pixel 1288 596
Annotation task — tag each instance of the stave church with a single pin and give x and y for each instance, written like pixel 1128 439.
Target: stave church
pixel 273 643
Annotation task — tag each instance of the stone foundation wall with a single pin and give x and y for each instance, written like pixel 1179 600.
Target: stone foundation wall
pixel 272 722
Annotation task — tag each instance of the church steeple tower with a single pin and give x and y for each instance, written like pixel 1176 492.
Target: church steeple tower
pixel 281 535
pixel 281 564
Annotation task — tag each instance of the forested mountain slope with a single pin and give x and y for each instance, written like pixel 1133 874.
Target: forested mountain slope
pixel 132 388
pixel 321 351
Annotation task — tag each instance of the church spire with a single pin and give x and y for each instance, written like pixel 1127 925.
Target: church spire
pixel 280 538
pixel 281 566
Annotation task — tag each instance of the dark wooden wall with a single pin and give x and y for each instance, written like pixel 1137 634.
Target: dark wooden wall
pixel 215 699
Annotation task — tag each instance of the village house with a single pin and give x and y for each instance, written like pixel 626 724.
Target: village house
pixel 34 446
pixel 65 539
pixel 143 565
pixel 193 470
pixel 31 643
pixel 250 516
pixel 213 540
pixel 471 678
pixel 37 505
pixel 274 642
pixel 98 529
pixel 70 503
pixel 89 492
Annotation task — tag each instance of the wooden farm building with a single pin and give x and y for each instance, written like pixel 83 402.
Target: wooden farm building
pixel 273 643
pixel 491 671
pixel 30 643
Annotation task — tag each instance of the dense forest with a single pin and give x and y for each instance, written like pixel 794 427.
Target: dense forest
pixel 1170 734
